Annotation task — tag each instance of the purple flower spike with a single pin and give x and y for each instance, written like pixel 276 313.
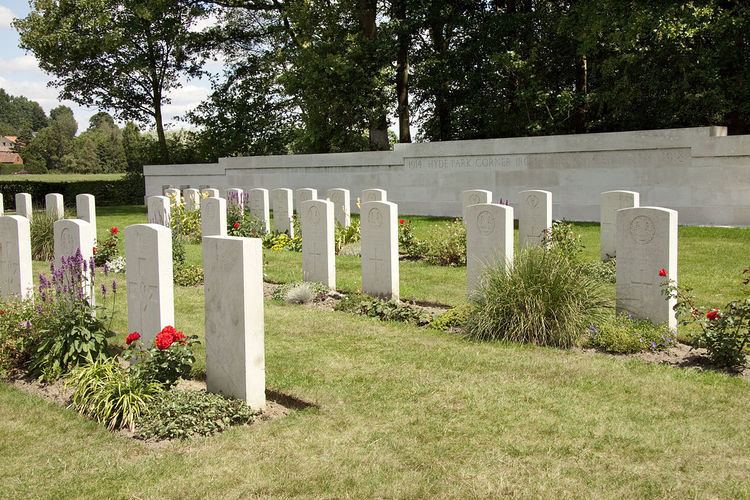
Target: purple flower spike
pixel 104 290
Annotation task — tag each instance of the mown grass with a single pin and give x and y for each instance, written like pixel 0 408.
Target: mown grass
pixel 409 412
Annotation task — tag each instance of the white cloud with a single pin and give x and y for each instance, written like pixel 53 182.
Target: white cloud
pixel 19 63
pixel 6 16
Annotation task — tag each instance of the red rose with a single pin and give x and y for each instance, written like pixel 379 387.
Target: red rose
pixel 401 221
pixel 179 337
pixel 114 230
pixel 236 225
pixel 132 338
pixel 164 340
pixel 712 314
pixel 663 272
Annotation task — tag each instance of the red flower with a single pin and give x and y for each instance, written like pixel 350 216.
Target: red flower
pixel 132 338
pixel 663 272
pixel 179 337
pixel 164 340
pixel 712 314
pixel 236 225
pixel 401 221
pixel 114 230
pixel 94 250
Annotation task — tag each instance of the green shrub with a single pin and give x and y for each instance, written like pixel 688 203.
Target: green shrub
pixel 543 299
pixel 408 244
pixel 178 249
pixel 447 245
pixel 186 224
pixel 318 290
pixel 20 335
pixel 384 310
pixel 242 223
pixel 604 271
pixel 108 250
pixel 620 334
pixel 346 235
pixel 130 190
pixel 282 241
pixel 42 236
pixel 108 393
pixel 182 414
pixel 170 357
pixel 452 319
pixel 563 238
pixel 188 275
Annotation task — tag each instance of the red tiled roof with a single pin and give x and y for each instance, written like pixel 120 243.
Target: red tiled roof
pixel 8 157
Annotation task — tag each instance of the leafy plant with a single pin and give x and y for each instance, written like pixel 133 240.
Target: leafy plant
pixel 543 299
pixel 447 246
pixel 384 310
pixel 604 271
pixel 346 235
pixel 186 224
pixel 725 334
pixel 621 334
pixel 73 333
pixel 452 319
pixel 178 249
pixel 182 414
pixel 20 335
pixel 107 392
pixel 242 223
pixel 563 238
pixel 42 236
pixel 408 244
pixel 170 358
pixel 188 275
pixel 107 250
pixel 282 241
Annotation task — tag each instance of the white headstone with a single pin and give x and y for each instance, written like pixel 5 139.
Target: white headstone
pixel 16 276
pixel 489 240
pixel 2 205
pixel 474 197
pixel 259 208
pixel 318 247
pixel 281 203
pixel 341 205
pixel 304 194
pixel 235 197
pixel 379 227
pixel 86 209
pixel 192 199
pixel 210 192
pixel 646 243
pixel 23 205
pixel 174 195
pixel 235 349
pixel 374 195
pixel 534 217
pixel 159 210
pixel 214 217
pixel 611 202
pixel 54 204
pixel 148 257
pixel 70 236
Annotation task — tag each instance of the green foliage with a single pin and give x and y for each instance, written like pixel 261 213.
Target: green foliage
pixel 408 244
pixel 563 238
pixel 543 299
pixel 20 335
pixel 242 223
pixel 178 250
pixel 346 235
pixel 126 191
pixel 620 334
pixel 108 250
pixel 384 310
pixel 318 291
pixel 282 241
pixel 454 318
pixel 182 414
pixel 20 116
pixel 186 224
pixel 604 271
pixel 42 236
pixel 725 334
pixel 447 245
pixel 188 275
pixel 107 392
pixel 170 358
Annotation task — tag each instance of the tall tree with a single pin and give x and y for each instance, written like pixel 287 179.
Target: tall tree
pixel 123 55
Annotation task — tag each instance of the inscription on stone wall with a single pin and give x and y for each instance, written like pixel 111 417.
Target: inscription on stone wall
pixel 499 161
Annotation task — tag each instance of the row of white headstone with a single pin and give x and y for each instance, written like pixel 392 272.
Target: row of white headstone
pixel 54 206
pixel 233 267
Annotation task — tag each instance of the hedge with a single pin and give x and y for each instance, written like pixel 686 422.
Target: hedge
pixel 129 190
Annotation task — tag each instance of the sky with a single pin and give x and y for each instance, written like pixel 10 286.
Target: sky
pixel 20 75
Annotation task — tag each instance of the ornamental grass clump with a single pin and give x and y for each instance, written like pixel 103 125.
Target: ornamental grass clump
pixel 42 236
pixel 543 299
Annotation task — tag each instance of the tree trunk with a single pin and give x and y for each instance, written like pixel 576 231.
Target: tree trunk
pixel 402 72
pixel 163 150
pixel 378 121
pixel 442 104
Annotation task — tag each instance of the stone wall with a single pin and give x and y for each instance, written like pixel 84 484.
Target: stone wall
pixel 700 172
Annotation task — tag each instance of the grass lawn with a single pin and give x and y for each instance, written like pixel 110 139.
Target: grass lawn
pixel 60 177
pixel 403 411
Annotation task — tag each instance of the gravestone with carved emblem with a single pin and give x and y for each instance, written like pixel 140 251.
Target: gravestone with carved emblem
pixel 380 265
pixel 318 248
pixel 489 240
